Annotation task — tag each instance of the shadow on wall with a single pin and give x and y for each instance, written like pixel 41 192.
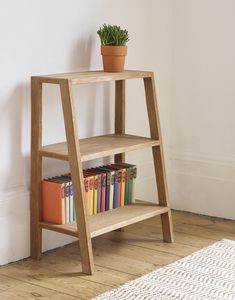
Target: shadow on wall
pixel 80 58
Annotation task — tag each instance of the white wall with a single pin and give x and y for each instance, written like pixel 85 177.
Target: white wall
pixel 41 37
pixel 202 141
pixel 190 46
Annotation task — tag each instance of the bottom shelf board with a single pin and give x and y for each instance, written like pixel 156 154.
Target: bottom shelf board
pixel 113 219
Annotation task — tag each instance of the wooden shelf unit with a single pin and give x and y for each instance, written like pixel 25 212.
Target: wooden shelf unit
pixel 76 151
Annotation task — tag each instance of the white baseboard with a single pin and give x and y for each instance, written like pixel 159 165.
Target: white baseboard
pixel 14 224
pixel 203 184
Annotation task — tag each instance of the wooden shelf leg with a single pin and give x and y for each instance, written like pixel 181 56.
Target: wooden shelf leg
pixel 119 114
pixel 36 167
pixel 120 118
pixel 77 177
pixel 158 157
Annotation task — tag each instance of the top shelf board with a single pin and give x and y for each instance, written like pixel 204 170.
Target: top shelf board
pixel 93 76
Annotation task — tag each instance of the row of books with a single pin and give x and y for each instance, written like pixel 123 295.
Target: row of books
pixel 106 187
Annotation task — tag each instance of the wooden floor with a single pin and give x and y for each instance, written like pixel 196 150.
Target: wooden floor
pixel 119 257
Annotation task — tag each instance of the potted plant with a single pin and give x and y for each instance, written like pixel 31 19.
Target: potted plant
pixel 113 47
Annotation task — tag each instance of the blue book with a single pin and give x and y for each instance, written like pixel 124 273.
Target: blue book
pixel 115 193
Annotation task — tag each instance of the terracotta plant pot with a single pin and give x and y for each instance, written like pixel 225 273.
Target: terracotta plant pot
pixel 113 58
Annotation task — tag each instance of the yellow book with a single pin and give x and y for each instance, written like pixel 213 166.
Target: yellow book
pixel 123 187
pixel 87 193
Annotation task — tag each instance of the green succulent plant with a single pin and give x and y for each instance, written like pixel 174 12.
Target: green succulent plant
pixel 113 35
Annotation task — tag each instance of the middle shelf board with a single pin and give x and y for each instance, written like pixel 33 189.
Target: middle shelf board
pixel 113 219
pixel 100 146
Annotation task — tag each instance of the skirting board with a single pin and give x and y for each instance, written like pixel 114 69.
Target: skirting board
pixel 15 227
pixel 202 184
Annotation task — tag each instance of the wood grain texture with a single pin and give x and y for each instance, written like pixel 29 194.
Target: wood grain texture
pixel 113 219
pixel 120 114
pixel 100 146
pixel 158 156
pixel 18 288
pixel 119 258
pixel 93 76
pixel 36 167
pixel 77 177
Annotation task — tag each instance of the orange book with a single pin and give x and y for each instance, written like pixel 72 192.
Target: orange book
pixel 53 202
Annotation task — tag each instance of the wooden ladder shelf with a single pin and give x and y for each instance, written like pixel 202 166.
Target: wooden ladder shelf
pixel 77 150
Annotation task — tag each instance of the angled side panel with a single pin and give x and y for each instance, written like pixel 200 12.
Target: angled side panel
pixel 77 177
pixel 158 157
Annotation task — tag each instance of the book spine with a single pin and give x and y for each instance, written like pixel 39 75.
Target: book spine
pixel 107 196
pixel 115 193
pixel 134 175
pixel 99 194
pixel 119 180
pixel 123 187
pixel 67 202
pixel 87 194
pixel 130 186
pixel 103 192
pixel 111 193
pixel 127 186
pixel 91 198
pixel 63 204
pixel 71 209
pixel 74 210
pixel 95 194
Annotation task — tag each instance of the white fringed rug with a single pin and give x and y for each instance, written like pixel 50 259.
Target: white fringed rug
pixel 205 275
